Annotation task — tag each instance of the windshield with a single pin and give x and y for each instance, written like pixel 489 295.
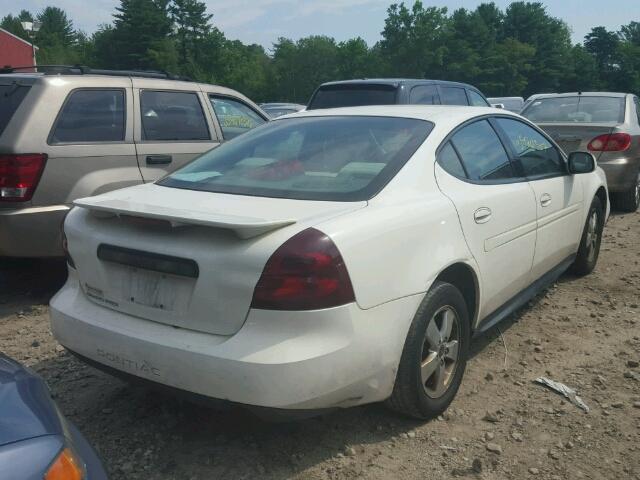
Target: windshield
pixel 337 158
pixel 578 109
pixel 334 96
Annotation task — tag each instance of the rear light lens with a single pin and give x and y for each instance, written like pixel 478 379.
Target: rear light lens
pixel 610 142
pixel 307 272
pixel 67 466
pixel 19 176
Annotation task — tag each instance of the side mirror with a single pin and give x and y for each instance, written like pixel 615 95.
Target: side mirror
pixel 581 162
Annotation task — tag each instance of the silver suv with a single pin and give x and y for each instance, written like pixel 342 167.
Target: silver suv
pixel 73 132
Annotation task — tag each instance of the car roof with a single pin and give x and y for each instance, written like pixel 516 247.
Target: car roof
pixel 396 82
pixel 439 114
pixel 582 94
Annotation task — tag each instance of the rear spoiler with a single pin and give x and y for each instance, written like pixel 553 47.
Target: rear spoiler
pixel 243 227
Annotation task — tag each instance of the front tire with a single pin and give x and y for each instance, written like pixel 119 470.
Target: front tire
pixel 589 250
pixel 630 200
pixel 434 355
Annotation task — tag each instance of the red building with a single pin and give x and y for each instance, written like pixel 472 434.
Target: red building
pixel 16 52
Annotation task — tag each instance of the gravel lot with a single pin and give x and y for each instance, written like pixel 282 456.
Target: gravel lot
pixel 583 332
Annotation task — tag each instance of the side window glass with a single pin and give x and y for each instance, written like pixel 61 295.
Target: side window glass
pixel 449 160
pixel 235 117
pixel 424 95
pixel 535 153
pixel 172 116
pixel 476 100
pixel 482 153
pixel 91 116
pixel 453 96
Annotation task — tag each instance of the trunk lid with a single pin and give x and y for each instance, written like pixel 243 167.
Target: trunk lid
pixel 576 136
pixel 184 258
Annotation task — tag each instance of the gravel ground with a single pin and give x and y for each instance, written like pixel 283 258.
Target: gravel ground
pixel 583 332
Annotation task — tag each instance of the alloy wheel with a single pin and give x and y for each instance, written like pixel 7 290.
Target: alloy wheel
pixel 592 235
pixel 440 352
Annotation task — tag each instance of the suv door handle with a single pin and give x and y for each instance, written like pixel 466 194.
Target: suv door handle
pixel 482 215
pixel 545 200
pixel 158 159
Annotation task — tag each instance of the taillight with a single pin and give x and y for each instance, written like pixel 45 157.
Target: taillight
pixel 610 142
pixel 19 176
pixel 307 272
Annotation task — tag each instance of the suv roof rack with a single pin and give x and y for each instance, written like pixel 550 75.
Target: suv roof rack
pixel 84 70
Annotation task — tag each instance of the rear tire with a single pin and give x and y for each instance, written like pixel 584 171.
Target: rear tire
pixel 630 200
pixel 434 355
pixel 589 250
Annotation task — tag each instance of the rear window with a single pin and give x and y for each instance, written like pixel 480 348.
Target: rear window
pixel 340 158
pixel 11 97
pixel 91 116
pixel 578 109
pixel 334 96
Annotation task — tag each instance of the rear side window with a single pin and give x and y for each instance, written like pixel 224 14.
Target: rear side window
pixel 172 116
pixel 577 109
pixel 90 116
pixel 482 153
pixel 334 96
pixel 535 153
pixel 424 95
pixel 449 160
pixel 476 100
pixel 453 96
pixel 11 97
pixel 234 117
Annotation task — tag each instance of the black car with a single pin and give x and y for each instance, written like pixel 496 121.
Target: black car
pixel 392 91
pixel 36 441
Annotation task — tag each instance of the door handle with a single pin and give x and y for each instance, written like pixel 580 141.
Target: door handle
pixel 545 200
pixel 482 215
pixel 158 159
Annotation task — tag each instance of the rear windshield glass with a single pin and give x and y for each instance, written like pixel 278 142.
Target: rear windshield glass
pixel 353 96
pixel 338 158
pixel 578 109
pixel 11 97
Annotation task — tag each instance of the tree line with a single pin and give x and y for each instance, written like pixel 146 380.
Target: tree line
pixel 517 51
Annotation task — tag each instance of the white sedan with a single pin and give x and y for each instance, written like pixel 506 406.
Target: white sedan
pixel 331 258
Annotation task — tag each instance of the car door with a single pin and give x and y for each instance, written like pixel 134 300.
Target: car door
pixel 559 195
pixel 172 129
pixel 496 208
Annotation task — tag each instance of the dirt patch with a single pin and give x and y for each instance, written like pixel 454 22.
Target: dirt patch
pixel 583 332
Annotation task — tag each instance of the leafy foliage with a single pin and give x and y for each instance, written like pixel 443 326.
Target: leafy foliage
pixel 516 51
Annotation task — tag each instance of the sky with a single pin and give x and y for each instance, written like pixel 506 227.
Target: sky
pixel 264 21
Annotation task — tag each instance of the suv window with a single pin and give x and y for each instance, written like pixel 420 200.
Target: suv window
pixel 172 116
pixel 482 153
pixel 449 160
pixel 11 97
pixel 234 116
pixel 535 153
pixel 424 95
pixel 476 100
pixel 91 116
pixel 453 96
pixel 353 95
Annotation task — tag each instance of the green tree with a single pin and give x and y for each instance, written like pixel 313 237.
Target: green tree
pixel 191 26
pixel 603 45
pixel 55 29
pixel 13 25
pixel 413 40
pixel 139 35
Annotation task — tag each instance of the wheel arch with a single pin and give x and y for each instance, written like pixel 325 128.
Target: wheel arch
pixel 463 276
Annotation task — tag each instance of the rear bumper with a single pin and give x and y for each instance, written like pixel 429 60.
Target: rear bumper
pixel 622 173
pixel 320 359
pixel 32 232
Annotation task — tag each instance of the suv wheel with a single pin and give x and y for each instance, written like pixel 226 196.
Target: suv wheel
pixel 630 200
pixel 434 355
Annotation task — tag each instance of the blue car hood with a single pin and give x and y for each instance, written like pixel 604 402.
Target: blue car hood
pixel 26 408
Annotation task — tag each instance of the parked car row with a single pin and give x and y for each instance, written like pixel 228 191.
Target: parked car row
pixel 341 255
